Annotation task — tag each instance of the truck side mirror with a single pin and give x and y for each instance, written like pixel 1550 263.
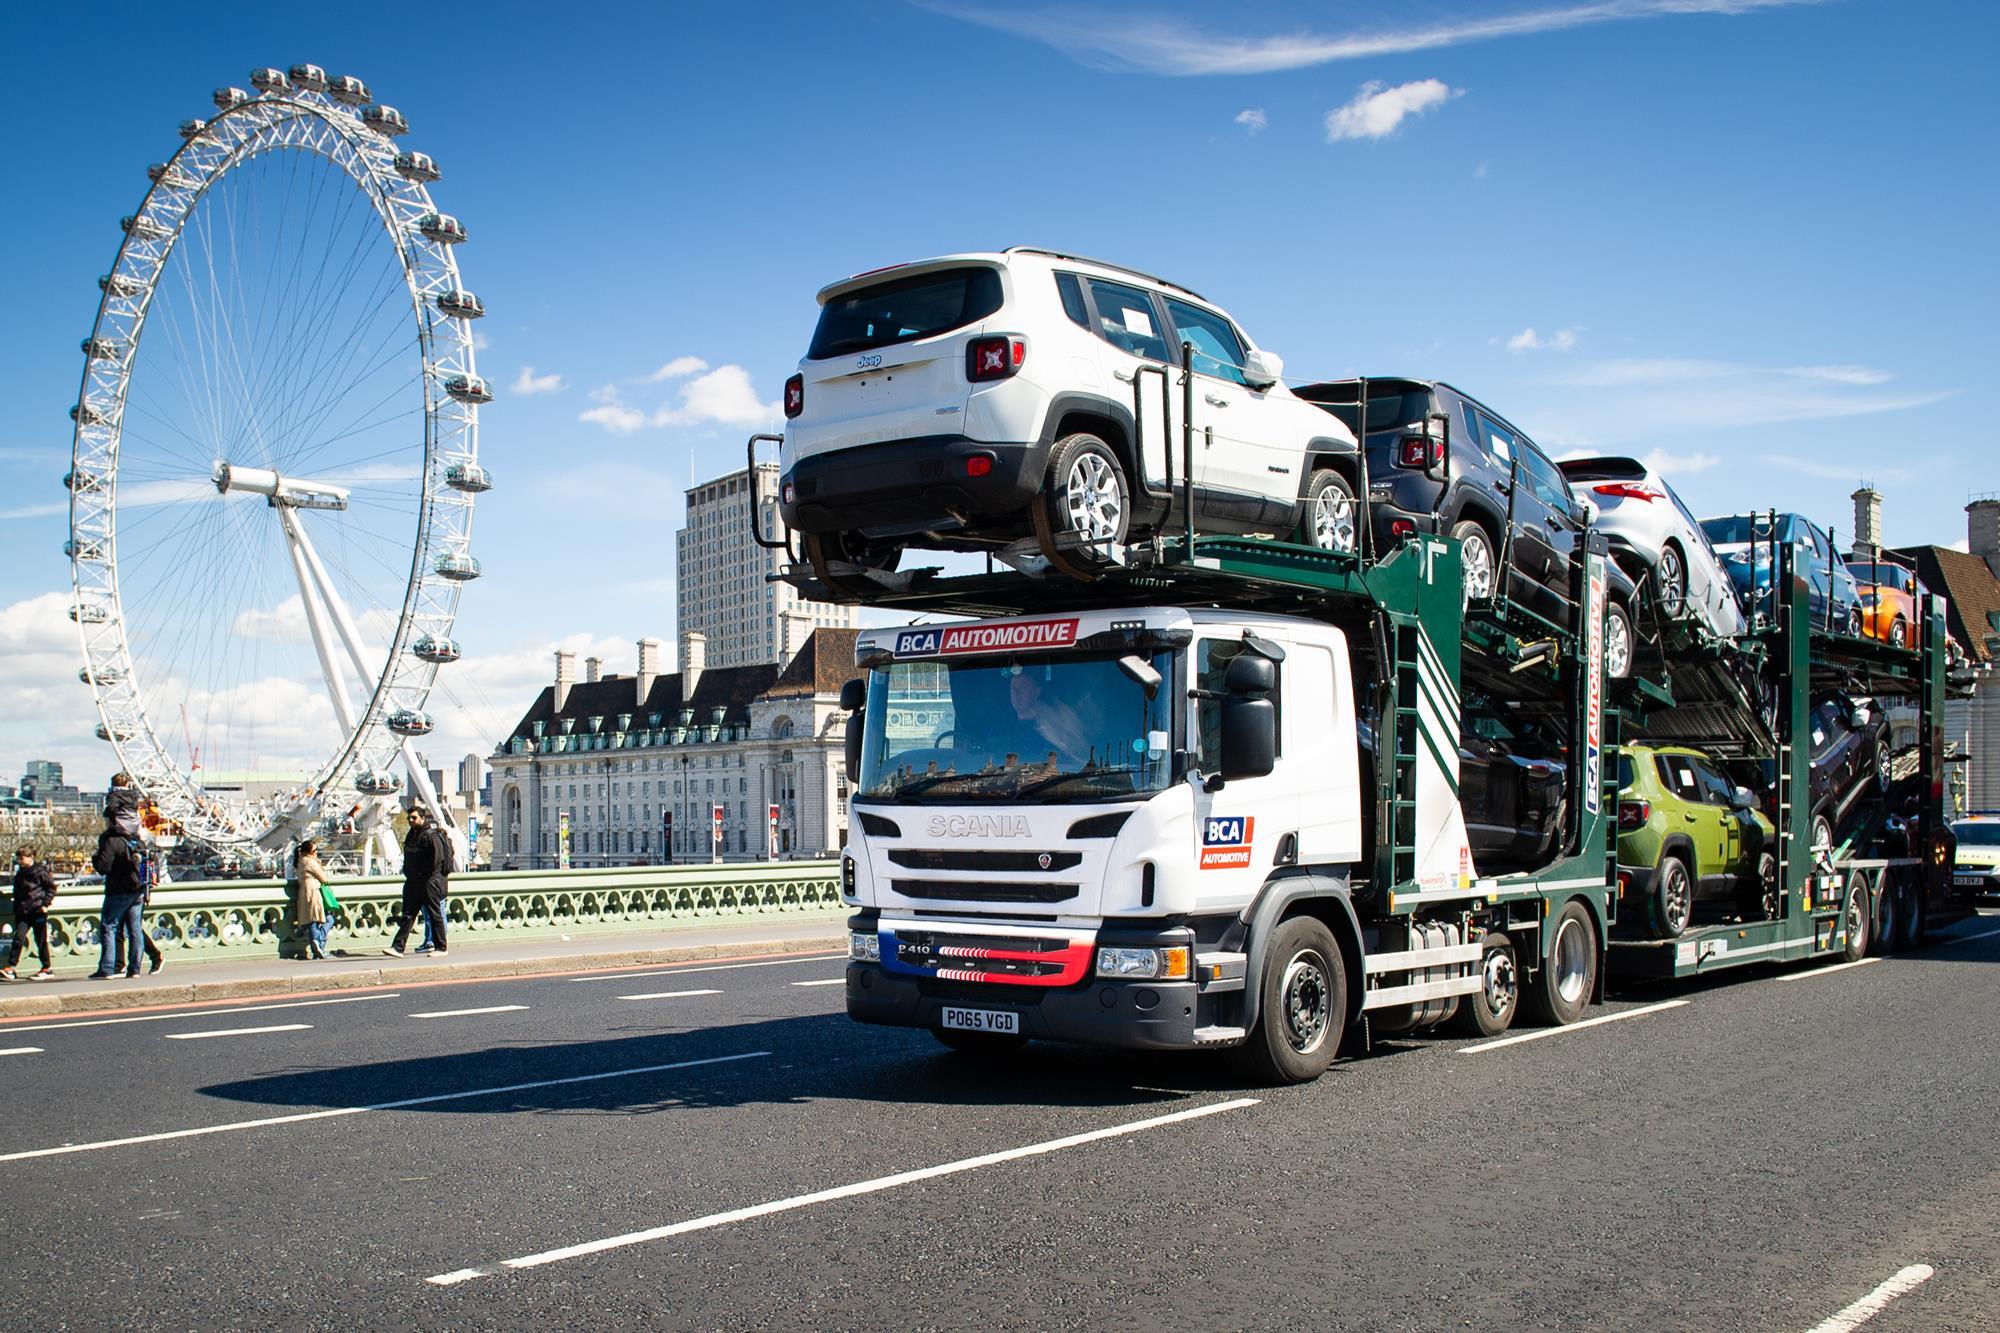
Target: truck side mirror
pixel 1249 718
pixel 853 694
pixel 1250 673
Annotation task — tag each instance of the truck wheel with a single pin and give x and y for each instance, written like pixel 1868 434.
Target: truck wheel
pixel 1673 898
pixel 1916 915
pixel 1475 554
pixel 979 1043
pixel 1302 1006
pixel 1562 988
pixel 1489 1011
pixel 1084 494
pixel 1857 914
pixel 1329 522
pixel 825 549
pixel 1885 933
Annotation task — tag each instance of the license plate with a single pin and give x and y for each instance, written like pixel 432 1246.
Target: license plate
pixel 1971 881
pixel 982 1020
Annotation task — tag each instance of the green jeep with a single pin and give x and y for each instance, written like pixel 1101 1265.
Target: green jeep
pixel 1686 833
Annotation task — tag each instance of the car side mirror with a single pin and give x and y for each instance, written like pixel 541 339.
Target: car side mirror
pixel 1743 799
pixel 1858 718
pixel 1579 512
pixel 1262 369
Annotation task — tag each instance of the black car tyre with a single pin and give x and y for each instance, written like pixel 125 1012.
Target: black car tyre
pixel 1857 912
pixel 1822 840
pixel 1619 642
pixel 1853 622
pixel 1767 886
pixel 1330 519
pixel 1672 903
pixel 826 549
pixel 1476 559
pixel 1899 633
pixel 1302 1006
pixel 1882 765
pixel 1670 582
pixel 1489 1011
pixel 1562 987
pixel 980 1043
pixel 1885 932
pixel 1084 494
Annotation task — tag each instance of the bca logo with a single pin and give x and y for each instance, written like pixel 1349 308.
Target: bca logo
pixel 1225 841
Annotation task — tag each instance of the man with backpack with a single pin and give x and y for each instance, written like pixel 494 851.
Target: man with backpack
pixel 34 893
pixel 427 866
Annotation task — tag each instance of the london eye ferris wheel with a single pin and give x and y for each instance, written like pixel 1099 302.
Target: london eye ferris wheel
pixel 275 460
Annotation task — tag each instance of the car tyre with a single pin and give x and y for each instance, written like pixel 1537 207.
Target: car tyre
pixel 1480 568
pixel 1899 633
pixel 1853 622
pixel 823 550
pixel 1670 582
pixel 1084 493
pixel 1302 1006
pixel 1672 903
pixel 1768 893
pixel 1563 986
pixel 1331 519
pixel 1490 1010
pixel 1822 840
pixel 1619 642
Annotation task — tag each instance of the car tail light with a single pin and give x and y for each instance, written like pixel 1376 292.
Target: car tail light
pixel 994 358
pixel 1634 814
pixel 1629 490
pixel 1419 451
pixel 1399 528
pixel 795 396
pixel 978 465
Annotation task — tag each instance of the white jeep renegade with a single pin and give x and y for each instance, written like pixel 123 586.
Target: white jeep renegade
pixel 1033 401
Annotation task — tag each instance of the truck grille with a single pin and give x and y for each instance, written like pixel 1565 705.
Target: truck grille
pixel 933 858
pixel 952 957
pixel 985 890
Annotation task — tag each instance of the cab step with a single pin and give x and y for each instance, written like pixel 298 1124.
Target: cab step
pixel 1219 1036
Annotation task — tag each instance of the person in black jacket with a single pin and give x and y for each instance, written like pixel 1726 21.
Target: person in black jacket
pixel 34 893
pixel 426 867
pixel 124 937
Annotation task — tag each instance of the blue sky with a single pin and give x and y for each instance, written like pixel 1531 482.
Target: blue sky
pixel 1750 239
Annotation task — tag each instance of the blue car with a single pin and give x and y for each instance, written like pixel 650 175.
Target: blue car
pixel 1747 545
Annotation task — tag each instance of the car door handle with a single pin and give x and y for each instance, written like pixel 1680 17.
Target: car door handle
pixel 1503 485
pixel 1214 400
pixel 1124 375
pixel 1689 818
pixel 1553 522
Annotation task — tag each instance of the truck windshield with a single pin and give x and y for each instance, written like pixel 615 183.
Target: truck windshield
pixel 1052 728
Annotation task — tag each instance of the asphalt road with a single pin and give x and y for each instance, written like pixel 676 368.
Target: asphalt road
pixel 731 1152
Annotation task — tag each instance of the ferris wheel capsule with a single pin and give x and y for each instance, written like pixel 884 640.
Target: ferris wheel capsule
pixel 456 566
pixel 442 228
pixel 101 676
pixel 410 722
pixel 117 284
pixel 103 349
pixel 384 120
pixel 228 99
pixel 377 782
pixel 89 613
pixel 349 91
pixel 81 479
pixel 144 228
pixel 417 167
pixel 468 477
pixel 435 649
pixel 469 389
pixel 461 305
pixel 269 80
pixel 192 128
pixel 106 732
pixel 83 414
pixel 309 78
pixel 166 173
pixel 86 551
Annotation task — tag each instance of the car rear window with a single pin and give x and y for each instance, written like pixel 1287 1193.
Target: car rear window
pixel 904 309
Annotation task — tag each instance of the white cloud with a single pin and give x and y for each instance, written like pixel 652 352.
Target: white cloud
pixel 1252 120
pixel 1841 374
pixel 1377 110
pixel 48 510
pixel 723 396
pixel 286 623
pixel 1830 470
pixel 678 368
pixel 1119 41
pixel 528 382
pixel 1527 340
pixel 1667 463
pixel 480 342
pixel 615 417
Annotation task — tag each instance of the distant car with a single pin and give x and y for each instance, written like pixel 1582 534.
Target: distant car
pixel 1977 864
pixel 1659 543
pixel 1687 833
pixel 1888 599
pixel 1442 462
pixel 1746 544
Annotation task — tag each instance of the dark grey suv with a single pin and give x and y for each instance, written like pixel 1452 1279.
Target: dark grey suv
pixel 1440 461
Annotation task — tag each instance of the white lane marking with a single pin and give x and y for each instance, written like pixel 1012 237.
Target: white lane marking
pixel 1865 1309
pixel 337 1111
pixel 462 1013
pixel 669 994
pixel 1573 1027
pixel 1823 971
pixel 238 1032
pixel 824 981
pixel 1961 939
pixel 195 1013
pixel 838 1192
pixel 21 1050
pixel 716 967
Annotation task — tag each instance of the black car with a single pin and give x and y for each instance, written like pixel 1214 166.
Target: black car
pixel 1850 750
pixel 1442 462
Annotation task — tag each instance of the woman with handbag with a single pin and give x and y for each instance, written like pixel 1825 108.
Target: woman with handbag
pixel 312 901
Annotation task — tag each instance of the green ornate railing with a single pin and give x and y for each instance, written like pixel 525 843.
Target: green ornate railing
pixel 225 919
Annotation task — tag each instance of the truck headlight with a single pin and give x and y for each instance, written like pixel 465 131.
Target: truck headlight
pixel 848 875
pixel 1169 964
pixel 864 948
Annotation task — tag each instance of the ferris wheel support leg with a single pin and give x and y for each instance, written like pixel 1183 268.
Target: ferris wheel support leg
pixel 329 665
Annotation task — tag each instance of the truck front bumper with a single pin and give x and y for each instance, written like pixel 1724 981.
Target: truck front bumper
pixel 1143 1015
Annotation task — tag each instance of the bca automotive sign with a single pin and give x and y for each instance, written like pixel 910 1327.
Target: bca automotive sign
pixel 1225 841
pixel 1593 722
pixel 1008 636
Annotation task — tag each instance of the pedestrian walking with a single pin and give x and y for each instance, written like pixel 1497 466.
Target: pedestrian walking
pixel 34 894
pixel 312 900
pixel 149 875
pixel 427 867
pixel 123 934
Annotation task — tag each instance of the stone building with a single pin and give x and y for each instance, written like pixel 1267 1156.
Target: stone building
pixel 1970 581
pixel 728 763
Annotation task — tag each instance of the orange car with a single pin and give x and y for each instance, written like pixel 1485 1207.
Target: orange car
pixel 1888 600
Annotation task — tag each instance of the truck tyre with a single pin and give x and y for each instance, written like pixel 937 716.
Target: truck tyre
pixel 1672 902
pixel 1302 1006
pixel 1330 521
pixel 979 1043
pixel 1562 987
pixel 1477 560
pixel 1916 914
pixel 1885 933
pixel 825 549
pixel 1085 493
pixel 1489 1011
pixel 1857 914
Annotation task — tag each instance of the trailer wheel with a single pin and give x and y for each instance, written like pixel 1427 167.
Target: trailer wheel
pixel 979 1043
pixel 1302 1006
pixel 1857 915
pixel 1672 902
pixel 1916 915
pixel 1489 1011
pixel 1885 932
pixel 1562 988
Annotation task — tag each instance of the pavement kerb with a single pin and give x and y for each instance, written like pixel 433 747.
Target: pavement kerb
pixel 195 990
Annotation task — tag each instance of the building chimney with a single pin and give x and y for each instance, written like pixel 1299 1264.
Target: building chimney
pixel 1982 530
pixel 1867 520
pixel 593 670
pixel 565 676
pixel 649 667
pixel 694 656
